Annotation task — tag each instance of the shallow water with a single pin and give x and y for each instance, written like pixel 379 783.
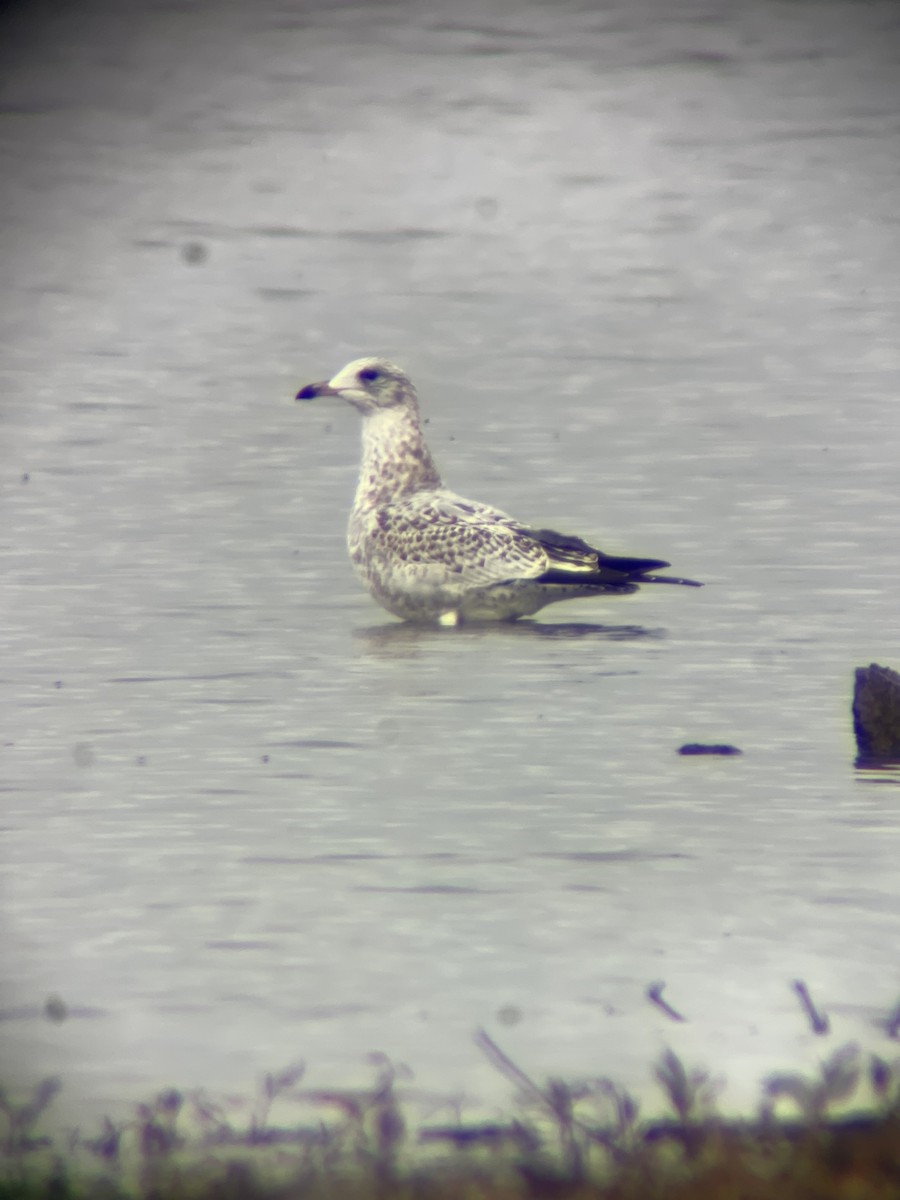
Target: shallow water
pixel 643 266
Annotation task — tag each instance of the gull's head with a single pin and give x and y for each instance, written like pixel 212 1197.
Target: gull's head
pixel 369 384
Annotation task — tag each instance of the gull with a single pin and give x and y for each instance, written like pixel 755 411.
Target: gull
pixel 429 555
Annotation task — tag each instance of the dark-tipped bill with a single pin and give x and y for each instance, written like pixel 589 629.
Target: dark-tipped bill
pixel 313 390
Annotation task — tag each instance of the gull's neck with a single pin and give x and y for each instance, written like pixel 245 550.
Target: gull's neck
pixel 396 461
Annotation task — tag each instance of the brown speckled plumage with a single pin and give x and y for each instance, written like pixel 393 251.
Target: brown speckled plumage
pixel 427 554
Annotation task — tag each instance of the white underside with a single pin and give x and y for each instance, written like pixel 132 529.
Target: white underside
pixel 502 602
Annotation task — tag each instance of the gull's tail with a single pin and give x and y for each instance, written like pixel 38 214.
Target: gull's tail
pixel 667 579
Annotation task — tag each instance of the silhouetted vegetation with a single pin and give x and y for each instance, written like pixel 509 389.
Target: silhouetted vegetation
pixel 569 1140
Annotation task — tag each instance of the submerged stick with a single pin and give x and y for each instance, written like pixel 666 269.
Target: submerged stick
pixel 654 994
pixel 818 1021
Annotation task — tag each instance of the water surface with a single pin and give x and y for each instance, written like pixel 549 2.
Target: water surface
pixel 643 265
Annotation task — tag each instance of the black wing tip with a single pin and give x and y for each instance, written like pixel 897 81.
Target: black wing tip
pixel 636 569
pixel 628 564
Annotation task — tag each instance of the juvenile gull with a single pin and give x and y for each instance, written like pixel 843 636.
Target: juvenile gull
pixel 427 554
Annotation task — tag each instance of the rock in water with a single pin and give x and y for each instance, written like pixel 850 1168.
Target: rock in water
pixel 876 713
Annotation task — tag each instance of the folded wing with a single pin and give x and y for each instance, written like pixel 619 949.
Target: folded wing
pixel 480 545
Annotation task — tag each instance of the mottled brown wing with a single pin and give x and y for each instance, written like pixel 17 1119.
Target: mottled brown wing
pixel 470 542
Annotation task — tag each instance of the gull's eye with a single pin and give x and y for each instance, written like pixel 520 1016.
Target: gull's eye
pixel 369 374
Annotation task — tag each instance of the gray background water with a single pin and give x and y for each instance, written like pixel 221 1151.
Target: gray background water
pixel 642 260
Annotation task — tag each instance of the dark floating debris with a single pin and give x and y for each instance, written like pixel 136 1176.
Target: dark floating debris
pixel 194 253
pixel 720 748
pixel 55 1009
pixel 876 714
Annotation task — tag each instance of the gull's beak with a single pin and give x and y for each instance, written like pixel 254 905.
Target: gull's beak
pixel 313 390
